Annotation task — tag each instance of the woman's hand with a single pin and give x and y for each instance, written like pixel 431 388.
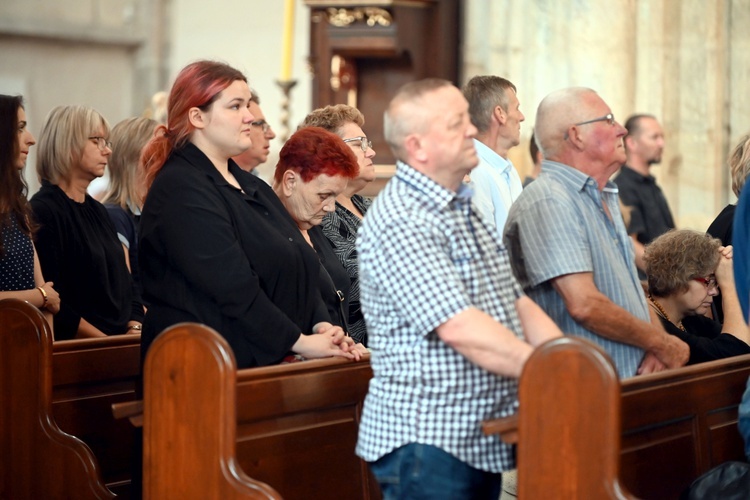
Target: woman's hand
pixel 53 298
pixel 724 272
pixel 326 342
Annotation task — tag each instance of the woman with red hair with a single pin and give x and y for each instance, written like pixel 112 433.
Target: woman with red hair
pixel 217 246
pixel 314 168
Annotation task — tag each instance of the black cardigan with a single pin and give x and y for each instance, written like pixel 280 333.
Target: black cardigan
pixel 230 259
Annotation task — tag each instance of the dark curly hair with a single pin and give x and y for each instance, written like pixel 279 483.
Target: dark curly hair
pixel 678 256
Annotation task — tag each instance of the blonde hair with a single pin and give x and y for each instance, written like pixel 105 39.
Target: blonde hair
pixel 333 118
pixel 128 139
pixel 63 137
pixel 739 164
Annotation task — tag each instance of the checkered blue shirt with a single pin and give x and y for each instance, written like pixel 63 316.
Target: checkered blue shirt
pixel 425 255
pixel 557 227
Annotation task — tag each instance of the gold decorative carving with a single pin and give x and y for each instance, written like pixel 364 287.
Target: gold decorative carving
pixel 371 15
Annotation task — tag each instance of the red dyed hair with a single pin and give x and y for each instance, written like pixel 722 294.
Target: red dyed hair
pixel 313 151
pixel 197 86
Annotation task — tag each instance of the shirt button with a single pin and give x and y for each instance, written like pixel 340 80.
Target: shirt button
pixel 290 239
pixel 266 213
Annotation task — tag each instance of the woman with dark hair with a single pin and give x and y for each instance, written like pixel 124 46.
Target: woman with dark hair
pixel 685 270
pixel 77 243
pixel 313 169
pixel 341 225
pixel 20 272
pixel 217 246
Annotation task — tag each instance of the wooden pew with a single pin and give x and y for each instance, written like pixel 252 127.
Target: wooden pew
pixel 88 377
pixel 38 459
pixel 582 434
pixel 296 423
pixel 189 424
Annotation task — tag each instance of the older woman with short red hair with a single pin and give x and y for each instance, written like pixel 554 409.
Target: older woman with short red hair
pixel 314 168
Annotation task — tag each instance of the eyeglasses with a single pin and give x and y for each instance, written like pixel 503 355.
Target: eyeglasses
pixel 609 118
pixel 709 281
pixel 264 126
pixel 101 142
pixel 363 142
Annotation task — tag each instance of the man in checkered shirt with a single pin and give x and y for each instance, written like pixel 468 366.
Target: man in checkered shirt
pixel 450 329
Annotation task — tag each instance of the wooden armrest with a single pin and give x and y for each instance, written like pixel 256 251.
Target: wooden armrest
pixel 507 428
pixel 132 410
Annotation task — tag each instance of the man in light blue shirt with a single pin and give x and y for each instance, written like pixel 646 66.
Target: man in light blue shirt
pixel 496 112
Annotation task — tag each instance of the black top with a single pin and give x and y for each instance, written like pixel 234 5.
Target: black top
pixel 125 225
pixel 340 228
pixel 334 280
pixel 649 216
pixel 16 257
pixel 79 251
pixel 705 339
pixel 233 260
pixel 721 227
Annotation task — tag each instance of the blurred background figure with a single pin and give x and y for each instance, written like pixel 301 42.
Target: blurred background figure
pixel 127 184
pixel 262 135
pixel 536 158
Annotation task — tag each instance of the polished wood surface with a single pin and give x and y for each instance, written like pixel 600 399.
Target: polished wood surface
pixel 297 427
pixel 674 425
pixel 88 377
pixel 189 424
pixel 39 460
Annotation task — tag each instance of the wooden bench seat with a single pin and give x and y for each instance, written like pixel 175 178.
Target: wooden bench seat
pixel 88 377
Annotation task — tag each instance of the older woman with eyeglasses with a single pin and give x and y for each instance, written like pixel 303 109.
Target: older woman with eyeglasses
pixel 685 270
pixel 77 243
pixel 341 225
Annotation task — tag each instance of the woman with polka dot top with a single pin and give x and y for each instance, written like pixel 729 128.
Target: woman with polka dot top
pixel 20 273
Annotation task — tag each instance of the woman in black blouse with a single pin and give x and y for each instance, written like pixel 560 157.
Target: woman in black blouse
pixel 216 245
pixel 685 270
pixel 341 225
pixel 78 247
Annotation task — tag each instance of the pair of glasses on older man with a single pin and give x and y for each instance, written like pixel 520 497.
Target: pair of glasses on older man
pixel 364 144
pixel 609 118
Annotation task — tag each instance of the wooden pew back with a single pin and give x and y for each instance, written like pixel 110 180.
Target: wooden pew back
pixel 39 460
pixel 88 377
pixel 189 419
pixel 570 443
pixel 576 422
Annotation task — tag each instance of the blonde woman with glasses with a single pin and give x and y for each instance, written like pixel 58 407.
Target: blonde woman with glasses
pixel 77 243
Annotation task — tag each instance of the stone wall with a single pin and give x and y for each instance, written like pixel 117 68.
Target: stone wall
pixel 684 61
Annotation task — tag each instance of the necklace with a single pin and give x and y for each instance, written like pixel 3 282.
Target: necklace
pixel 663 313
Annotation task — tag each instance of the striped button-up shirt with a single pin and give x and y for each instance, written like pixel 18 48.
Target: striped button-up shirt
pixel 558 226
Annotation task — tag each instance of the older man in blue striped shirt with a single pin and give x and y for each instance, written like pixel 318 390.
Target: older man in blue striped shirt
pixel 568 244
